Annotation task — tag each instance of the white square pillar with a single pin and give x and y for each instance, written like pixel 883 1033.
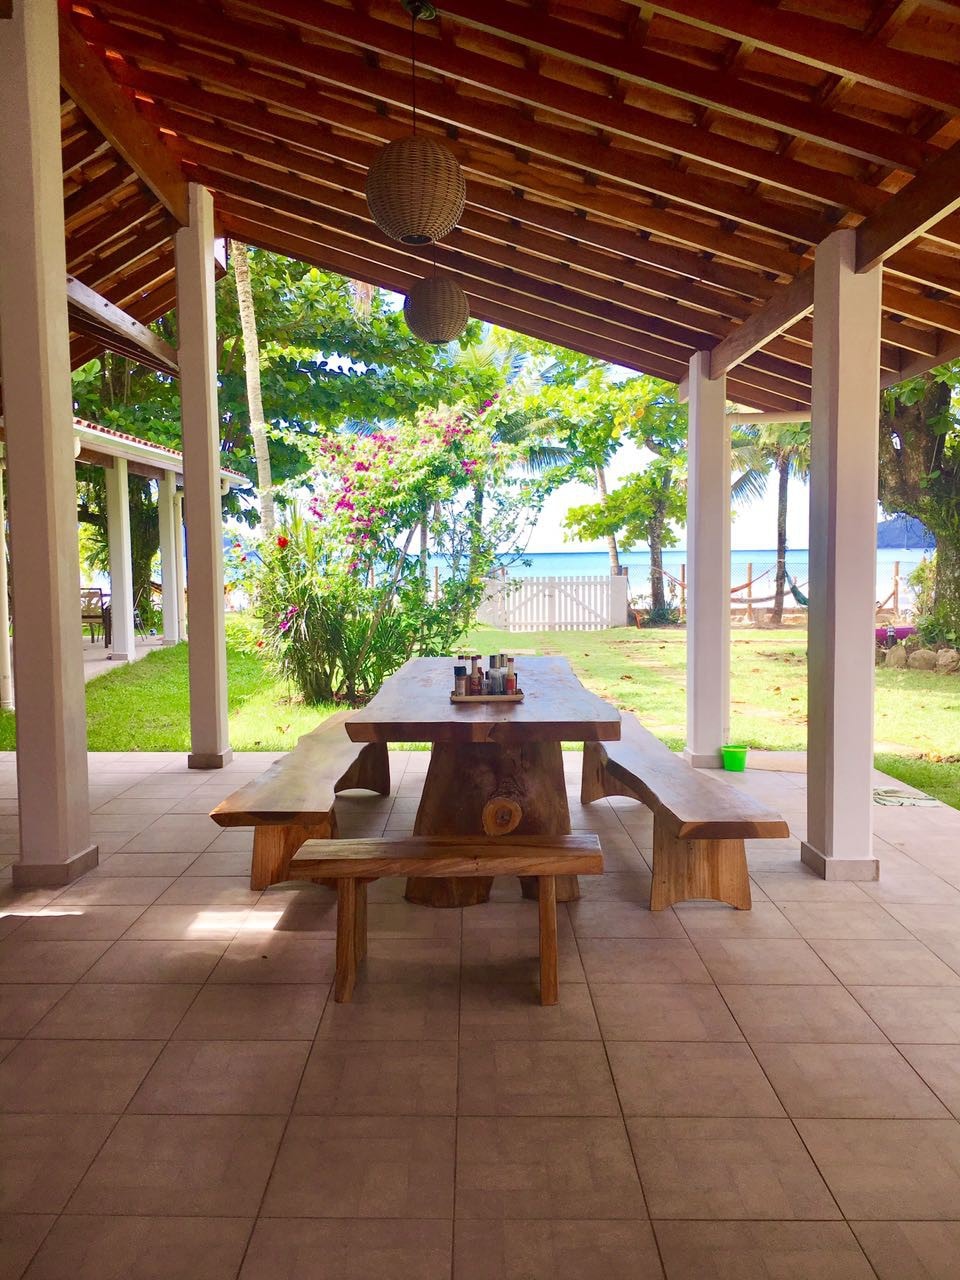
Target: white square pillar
pixel 196 315
pixel 123 636
pixel 181 566
pixel 708 567
pixel 169 576
pixel 55 844
pixel 843 559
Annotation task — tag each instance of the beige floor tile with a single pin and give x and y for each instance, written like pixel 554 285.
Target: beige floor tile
pixel 557 1250
pixel 512 1011
pixel 879 963
pixel 860 920
pixel 691 1079
pixel 162 865
pixel 140 961
pixel 754 1168
pixel 204 1166
pixel 20 1237
pixel 117 1011
pixel 914 1015
pixel 22 1007
pixel 385 1011
pixel 540 1078
pixel 276 958
pixel 617 886
pixel 763 960
pixel 345 1249
pixel 921 918
pixel 220 864
pixel 717 920
pixel 666 1011
pixel 761 1250
pixel 223 1077
pixel 74 1076
pixel 412 960
pixel 520 1167
pixel 939 1066
pixel 784 1014
pixel 84 922
pixel 43 1157
pixel 846 1081
pixel 508 955
pixel 637 960
pixel 888 1170
pixel 363 1167
pixel 47 962
pixel 100 1248
pixel 189 923
pixel 257 1011
pixel 911 1250
pixel 386 1077
pixel 109 890
pixel 215 892
pixel 904 887
pixel 800 885
pixel 608 919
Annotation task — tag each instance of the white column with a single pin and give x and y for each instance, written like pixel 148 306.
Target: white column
pixel 6 669
pixel 123 639
pixel 169 577
pixel 708 566
pixel 843 555
pixel 181 567
pixel 55 842
pixel 196 313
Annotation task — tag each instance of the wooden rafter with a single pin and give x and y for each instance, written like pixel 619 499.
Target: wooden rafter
pixel 91 313
pixel 92 88
pixel 929 198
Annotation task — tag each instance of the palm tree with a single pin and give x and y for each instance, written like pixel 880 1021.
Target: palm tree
pixel 784 448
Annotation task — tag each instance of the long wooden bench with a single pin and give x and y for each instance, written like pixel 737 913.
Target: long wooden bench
pixel 699 822
pixel 293 801
pixel 353 863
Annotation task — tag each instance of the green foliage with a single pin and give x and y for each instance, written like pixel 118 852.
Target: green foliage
pixel 666 615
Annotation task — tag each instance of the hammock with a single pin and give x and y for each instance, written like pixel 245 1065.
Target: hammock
pixel 797 594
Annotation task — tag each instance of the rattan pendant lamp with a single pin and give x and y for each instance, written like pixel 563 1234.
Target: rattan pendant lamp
pixel 415 186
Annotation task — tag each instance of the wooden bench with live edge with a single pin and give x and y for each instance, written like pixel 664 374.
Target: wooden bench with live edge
pixel 354 863
pixel 294 800
pixel 699 822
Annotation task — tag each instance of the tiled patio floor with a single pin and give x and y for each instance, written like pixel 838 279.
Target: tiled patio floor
pixel 719 1094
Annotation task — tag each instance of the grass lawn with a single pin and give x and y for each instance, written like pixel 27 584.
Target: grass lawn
pixel 145 707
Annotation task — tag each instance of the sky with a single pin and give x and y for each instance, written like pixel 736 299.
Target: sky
pixel 754 525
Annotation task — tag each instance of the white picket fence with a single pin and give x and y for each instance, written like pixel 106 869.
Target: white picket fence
pixel 585 603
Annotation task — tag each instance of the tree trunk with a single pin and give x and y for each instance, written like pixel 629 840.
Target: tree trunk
pixel 658 599
pixel 611 538
pixel 780 583
pixel 424 541
pixel 947 578
pixel 251 364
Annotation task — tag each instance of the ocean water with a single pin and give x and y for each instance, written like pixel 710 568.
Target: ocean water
pixel 760 562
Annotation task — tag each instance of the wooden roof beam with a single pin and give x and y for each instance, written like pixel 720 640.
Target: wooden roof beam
pixel 502 125
pixel 714 90
pixel 90 309
pixel 926 200
pixel 791 304
pixel 827 45
pixel 104 103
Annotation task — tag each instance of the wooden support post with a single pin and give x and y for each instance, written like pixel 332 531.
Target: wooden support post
pixel 708 544
pixel 896 588
pixel 6 668
pixel 549 964
pixel 196 314
pixel 275 846
pixel 843 564
pixel 683 589
pixel 54 807
pixel 346 974
pixel 436 584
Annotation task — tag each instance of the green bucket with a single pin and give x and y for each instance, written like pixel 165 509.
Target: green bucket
pixel 734 758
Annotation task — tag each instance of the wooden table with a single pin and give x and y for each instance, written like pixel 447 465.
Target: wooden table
pixel 494 768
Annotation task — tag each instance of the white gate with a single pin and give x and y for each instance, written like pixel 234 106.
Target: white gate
pixel 586 603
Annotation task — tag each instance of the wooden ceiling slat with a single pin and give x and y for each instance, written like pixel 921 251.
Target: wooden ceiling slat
pixel 676 137
pixel 827 45
pixel 92 88
pixel 498 123
pixel 115 223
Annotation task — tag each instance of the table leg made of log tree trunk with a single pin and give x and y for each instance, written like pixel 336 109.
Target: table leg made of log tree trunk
pixel 484 788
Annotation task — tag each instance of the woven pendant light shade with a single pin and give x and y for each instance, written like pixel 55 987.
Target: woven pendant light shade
pixel 436 310
pixel 416 190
